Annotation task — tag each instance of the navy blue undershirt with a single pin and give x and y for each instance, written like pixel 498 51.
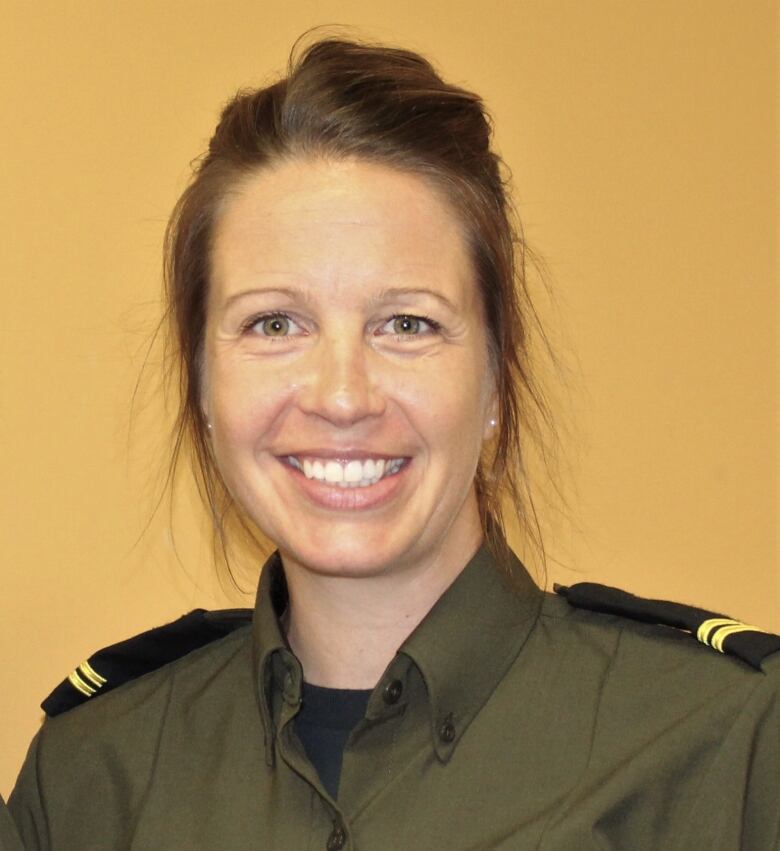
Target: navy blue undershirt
pixel 326 718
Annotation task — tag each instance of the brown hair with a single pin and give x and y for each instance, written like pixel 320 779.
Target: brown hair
pixel 342 98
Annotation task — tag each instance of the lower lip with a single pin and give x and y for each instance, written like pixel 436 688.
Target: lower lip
pixel 351 498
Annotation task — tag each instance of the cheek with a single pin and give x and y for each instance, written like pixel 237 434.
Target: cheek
pixel 245 404
pixel 448 404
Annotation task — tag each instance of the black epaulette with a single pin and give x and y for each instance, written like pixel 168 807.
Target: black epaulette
pixel 724 634
pixel 118 664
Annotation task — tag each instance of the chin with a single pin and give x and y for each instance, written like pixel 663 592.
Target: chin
pixel 355 557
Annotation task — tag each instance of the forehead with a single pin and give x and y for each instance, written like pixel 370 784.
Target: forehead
pixel 341 224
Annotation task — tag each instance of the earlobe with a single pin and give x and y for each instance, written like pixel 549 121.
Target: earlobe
pixel 203 403
pixel 206 418
pixel 491 423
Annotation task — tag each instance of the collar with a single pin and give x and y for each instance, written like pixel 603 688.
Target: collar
pixel 278 673
pixel 462 648
pixel 469 639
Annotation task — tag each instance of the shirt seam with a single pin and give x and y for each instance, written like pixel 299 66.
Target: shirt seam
pixel 38 787
pixel 155 759
pixel 556 812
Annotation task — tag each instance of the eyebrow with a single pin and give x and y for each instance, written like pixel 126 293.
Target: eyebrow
pixel 396 292
pixel 293 295
pixel 385 295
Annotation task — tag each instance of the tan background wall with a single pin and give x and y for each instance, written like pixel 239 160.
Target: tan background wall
pixel 642 137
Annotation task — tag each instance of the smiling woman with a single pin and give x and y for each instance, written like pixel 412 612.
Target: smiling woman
pixel 340 373
pixel 353 385
pixel 347 294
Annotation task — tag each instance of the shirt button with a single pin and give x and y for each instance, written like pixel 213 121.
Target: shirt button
pixel 392 692
pixel 336 840
pixel 447 730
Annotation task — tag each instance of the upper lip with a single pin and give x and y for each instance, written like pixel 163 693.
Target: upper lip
pixel 343 454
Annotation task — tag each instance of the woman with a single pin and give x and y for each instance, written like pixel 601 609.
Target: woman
pixel 341 280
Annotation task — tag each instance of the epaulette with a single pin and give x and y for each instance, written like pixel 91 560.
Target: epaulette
pixel 119 663
pixel 721 633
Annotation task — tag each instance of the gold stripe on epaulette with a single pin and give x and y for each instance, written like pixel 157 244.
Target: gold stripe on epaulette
pixel 704 630
pixel 715 631
pixel 92 675
pixel 80 685
pixel 722 634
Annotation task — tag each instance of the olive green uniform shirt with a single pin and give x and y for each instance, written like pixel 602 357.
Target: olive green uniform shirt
pixel 507 720
pixel 9 839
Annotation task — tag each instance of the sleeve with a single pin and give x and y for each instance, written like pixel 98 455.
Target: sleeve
pixel 87 771
pixel 761 822
pixel 25 805
pixel 9 838
pixel 739 802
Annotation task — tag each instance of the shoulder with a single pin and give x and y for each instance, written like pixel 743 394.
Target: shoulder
pixel 661 647
pixel 675 720
pixel 112 741
pixel 152 650
pixel 136 684
pixel 662 694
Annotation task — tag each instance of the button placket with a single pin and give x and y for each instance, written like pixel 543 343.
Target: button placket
pixel 337 839
pixel 447 732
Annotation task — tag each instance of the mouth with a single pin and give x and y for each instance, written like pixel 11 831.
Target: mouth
pixel 351 473
pixel 352 484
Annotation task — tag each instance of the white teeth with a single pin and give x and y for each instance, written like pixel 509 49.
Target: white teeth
pixel 334 472
pixel 353 473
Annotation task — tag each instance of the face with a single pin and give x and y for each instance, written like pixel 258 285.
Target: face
pixel 346 375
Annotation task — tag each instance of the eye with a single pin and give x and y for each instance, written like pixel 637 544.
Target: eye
pixel 410 325
pixel 270 325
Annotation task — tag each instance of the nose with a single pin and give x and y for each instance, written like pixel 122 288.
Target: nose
pixel 341 386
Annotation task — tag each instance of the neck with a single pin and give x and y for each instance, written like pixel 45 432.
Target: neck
pixel 345 630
